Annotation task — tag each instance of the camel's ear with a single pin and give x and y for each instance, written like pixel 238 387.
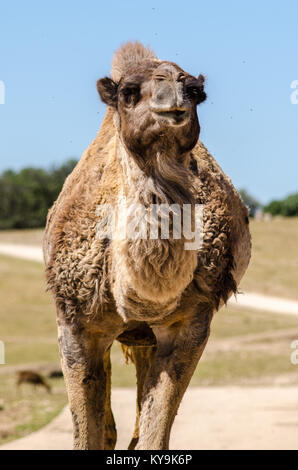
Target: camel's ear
pixel 201 95
pixel 107 90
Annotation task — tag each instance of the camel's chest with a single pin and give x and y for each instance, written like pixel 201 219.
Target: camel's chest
pixel 150 275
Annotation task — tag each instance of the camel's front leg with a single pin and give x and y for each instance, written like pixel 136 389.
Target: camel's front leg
pixel 110 438
pixel 82 354
pixel 179 348
pixel 142 358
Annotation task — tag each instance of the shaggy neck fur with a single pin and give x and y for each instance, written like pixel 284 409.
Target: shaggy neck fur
pixel 154 269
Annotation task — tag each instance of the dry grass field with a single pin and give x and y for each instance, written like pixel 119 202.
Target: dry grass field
pixel 274 265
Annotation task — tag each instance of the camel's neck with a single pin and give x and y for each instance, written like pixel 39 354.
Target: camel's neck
pixel 158 269
pixel 165 179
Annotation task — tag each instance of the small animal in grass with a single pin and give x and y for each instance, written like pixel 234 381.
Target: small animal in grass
pixel 30 377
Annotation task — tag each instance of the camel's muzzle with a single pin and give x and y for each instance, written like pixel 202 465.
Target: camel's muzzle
pixel 168 98
pixel 175 116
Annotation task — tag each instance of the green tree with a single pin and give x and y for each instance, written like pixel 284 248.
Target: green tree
pixel 274 207
pixel 290 205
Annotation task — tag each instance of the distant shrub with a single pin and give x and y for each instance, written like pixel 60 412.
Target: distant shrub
pixel 274 207
pixel 290 205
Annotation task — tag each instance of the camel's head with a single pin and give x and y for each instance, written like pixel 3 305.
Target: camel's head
pixel 155 101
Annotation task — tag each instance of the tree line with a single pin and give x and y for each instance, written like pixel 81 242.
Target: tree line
pixel 287 207
pixel 27 195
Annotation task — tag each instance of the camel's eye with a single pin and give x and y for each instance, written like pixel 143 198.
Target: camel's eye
pixel 131 94
pixel 195 92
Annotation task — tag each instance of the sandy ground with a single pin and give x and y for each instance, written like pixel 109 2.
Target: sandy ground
pixel 31 253
pixel 265 303
pixel 209 418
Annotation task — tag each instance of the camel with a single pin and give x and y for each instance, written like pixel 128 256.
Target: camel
pixel 153 295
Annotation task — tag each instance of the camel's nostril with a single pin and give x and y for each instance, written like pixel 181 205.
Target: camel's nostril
pixel 160 96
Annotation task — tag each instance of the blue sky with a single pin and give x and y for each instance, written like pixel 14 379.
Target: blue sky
pixel 52 53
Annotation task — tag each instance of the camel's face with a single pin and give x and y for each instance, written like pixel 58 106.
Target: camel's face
pixel 156 105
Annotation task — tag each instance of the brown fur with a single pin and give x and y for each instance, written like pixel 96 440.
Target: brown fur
pixel 150 294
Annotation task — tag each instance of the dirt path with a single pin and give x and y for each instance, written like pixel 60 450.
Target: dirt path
pixel 209 418
pixel 265 303
pixel 30 253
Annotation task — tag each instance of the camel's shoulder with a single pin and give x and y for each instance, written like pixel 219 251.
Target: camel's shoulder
pixel 212 183
pixel 207 166
pixel 225 253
